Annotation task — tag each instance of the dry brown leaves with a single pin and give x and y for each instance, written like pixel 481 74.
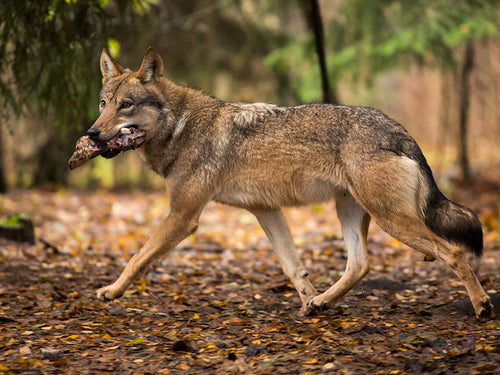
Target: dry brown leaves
pixel 220 303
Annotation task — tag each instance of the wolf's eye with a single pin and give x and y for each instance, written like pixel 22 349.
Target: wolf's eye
pixel 126 105
pixel 103 103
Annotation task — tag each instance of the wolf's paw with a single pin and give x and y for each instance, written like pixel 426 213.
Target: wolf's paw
pixel 487 310
pixel 313 307
pixel 108 293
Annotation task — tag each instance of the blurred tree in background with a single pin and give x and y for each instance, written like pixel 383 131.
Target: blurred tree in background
pixel 437 33
pixel 252 50
pixel 368 38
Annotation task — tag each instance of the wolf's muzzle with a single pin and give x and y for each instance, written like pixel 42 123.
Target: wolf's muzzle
pixel 93 133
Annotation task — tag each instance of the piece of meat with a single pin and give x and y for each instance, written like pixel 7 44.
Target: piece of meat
pixel 127 139
pixel 86 148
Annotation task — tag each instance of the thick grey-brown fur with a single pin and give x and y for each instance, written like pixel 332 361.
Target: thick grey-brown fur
pixel 262 157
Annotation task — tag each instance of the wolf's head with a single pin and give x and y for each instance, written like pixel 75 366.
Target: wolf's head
pixel 128 98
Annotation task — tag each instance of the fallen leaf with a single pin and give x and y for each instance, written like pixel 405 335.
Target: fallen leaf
pixel 25 350
pixel 135 342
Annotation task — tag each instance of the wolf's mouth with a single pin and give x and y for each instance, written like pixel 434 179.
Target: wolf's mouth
pixel 128 138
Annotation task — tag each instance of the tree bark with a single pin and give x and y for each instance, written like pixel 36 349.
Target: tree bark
pixel 463 152
pixel 52 156
pixel 314 21
pixel 52 162
pixel 3 177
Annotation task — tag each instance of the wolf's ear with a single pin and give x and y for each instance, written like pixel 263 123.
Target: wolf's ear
pixel 109 67
pixel 151 67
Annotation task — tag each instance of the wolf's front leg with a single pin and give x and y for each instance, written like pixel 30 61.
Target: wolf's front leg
pixel 172 230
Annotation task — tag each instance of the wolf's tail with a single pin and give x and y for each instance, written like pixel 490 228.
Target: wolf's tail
pixel 453 222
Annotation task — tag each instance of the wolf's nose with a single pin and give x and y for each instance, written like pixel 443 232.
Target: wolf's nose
pixel 93 133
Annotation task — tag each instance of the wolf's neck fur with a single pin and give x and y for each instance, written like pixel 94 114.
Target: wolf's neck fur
pixel 186 99
pixel 183 108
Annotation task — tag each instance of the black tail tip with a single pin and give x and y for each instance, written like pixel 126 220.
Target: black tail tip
pixel 468 232
pixel 474 242
pixel 456 224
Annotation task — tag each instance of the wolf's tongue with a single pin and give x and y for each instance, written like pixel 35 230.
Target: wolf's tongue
pixel 86 148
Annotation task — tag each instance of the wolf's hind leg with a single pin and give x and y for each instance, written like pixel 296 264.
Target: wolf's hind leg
pixel 276 229
pixel 355 221
pixel 454 257
pixel 421 238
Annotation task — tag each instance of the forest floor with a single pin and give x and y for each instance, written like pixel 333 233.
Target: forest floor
pixel 219 303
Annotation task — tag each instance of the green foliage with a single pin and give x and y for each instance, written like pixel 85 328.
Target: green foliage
pixel 298 56
pixel 366 38
pixel 14 221
pixel 390 33
pixel 47 49
pixel 49 55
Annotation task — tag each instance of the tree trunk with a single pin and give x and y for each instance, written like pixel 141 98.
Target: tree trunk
pixel 52 157
pixel 463 153
pixel 51 163
pixel 312 13
pixel 3 177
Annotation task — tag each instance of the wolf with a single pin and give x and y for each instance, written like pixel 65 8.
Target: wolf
pixel 262 157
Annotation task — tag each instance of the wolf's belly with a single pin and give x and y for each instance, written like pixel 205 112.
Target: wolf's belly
pixel 274 193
